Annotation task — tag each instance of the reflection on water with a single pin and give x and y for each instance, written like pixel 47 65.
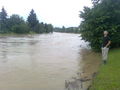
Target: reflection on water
pixel 39 62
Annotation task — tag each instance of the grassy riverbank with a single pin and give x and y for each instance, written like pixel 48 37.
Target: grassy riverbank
pixel 108 77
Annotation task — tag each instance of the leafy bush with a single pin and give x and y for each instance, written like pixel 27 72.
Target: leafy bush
pixel 102 16
pixel 21 29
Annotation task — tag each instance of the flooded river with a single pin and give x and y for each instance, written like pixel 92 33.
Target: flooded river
pixel 39 62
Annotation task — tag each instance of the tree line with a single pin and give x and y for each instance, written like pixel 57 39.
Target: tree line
pixel 103 15
pixel 16 24
pixel 67 30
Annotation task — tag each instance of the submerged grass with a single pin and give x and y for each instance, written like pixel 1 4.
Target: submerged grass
pixel 108 77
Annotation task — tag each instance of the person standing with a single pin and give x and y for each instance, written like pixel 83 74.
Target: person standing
pixel 105 46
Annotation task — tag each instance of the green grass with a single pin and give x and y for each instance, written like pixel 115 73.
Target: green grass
pixel 108 77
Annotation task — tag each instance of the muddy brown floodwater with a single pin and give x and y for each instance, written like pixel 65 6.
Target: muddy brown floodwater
pixel 40 62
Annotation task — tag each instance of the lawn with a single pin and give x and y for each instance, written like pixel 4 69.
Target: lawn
pixel 108 77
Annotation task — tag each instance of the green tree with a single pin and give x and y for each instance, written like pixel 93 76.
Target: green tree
pixel 102 16
pixel 48 28
pixel 3 20
pixel 15 20
pixel 32 19
pixel 95 2
pixel 21 29
pixel 17 24
pixel 67 30
pixel 63 28
pixel 42 27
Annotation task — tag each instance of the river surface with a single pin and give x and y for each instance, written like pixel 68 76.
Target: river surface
pixel 39 62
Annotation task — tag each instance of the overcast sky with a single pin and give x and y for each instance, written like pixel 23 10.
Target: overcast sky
pixel 56 12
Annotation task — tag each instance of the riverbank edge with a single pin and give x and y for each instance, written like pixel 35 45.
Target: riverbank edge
pixel 91 63
pixel 11 33
pixel 14 34
pixel 107 77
